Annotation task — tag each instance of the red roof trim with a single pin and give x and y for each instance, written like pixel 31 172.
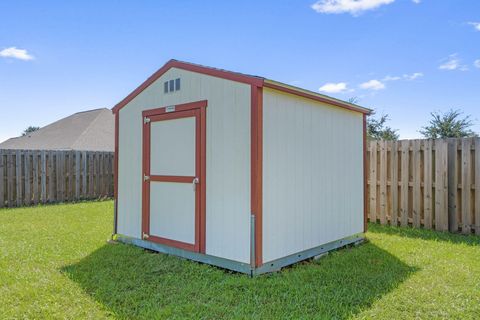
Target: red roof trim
pixel 233 76
pixel 190 67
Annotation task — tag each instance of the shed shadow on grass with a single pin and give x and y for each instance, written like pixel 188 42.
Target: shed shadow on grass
pixel 134 283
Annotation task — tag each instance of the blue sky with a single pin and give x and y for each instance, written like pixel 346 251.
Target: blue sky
pixel 401 57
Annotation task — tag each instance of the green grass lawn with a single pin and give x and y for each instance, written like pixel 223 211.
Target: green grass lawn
pixel 55 263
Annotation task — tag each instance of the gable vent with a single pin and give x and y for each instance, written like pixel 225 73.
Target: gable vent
pixel 171 85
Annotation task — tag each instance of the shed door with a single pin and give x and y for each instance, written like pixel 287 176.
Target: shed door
pixel 172 186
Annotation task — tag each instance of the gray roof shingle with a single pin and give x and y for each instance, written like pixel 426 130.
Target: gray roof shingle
pixel 91 130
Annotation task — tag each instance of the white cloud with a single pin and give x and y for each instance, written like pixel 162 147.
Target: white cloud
pixel 416 1
pixel 333 87
pixel 405 76
pixel 373 85
pixel 452 63
pixel 15 53
pixel 476 25
pixel 354 7
pixel 412 76
pixel 477 63
pixel 391 78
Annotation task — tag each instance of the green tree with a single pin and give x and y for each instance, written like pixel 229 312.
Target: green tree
pixel 30 129
pixel 378 130
pixel 450 124
pixel 353 100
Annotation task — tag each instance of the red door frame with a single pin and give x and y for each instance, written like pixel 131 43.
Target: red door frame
pixel 198 110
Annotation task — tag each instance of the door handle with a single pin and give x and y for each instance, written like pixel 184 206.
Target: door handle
pixel 195 182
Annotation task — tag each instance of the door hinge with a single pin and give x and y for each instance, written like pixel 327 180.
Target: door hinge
pixel 145 236
pixel 195 182
pixel 146 120
pixel 146 178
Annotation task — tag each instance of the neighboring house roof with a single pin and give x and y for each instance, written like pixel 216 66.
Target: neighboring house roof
pixel 91 130
pixel 239 77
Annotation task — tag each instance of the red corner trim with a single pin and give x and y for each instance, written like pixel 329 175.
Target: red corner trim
pixel 115 172
pixel 365 218
pixel 256 168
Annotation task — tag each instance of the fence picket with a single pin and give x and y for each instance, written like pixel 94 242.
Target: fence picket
pixel 35 177
pixel 453 185
pixel 404 182
pixel 383 182
pixel 416 191
pixel 71 173
pixel 427 184
pixel 10 185
pixel 84 174
pixel 441 188
pixel 26 173
pixel 91 191
pixel 43 177
pixel 477 185
pixel 18 176
pixel 97 174
pixel 51 177
pixel 59 175
pixel 373 181
pixel 466 186
pixel 77 174
pixel 394 184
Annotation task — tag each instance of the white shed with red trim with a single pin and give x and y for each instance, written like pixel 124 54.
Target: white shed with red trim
pixel 236 170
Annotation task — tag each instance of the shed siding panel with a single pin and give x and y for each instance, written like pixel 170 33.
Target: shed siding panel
pixel 228 159
pixel 312 174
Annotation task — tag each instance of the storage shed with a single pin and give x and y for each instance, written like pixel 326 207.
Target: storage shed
pixel 236 170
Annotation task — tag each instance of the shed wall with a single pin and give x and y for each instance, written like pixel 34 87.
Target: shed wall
pixel 227 153
pixel 312 174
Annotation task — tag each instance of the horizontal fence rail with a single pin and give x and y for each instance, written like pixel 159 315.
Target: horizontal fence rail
pixel 30 177
pixel 433 184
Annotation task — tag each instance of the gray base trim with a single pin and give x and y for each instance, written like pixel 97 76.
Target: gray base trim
pixel 195 256
pixel 276 265
pixel 270 266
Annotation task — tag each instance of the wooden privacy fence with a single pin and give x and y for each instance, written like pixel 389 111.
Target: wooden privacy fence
pixel 429 183
pixel 41 176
